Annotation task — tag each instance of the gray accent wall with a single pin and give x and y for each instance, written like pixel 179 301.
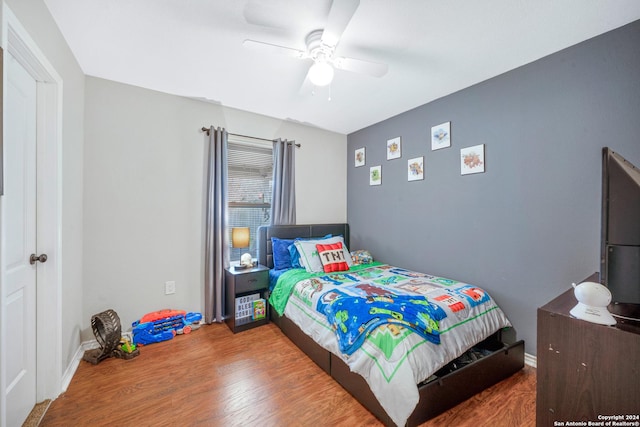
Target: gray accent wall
pixel 529 226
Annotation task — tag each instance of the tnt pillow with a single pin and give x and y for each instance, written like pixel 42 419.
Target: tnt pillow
pixel 281 256
pixel 309 258
pixel 332 257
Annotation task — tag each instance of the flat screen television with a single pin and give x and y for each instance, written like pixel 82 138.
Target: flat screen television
pixel 620 242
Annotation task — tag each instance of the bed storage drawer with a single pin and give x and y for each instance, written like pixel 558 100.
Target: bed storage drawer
pixel 455 387
pixel 445 392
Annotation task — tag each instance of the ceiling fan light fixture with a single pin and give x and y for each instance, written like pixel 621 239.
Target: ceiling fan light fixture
pixel 321 73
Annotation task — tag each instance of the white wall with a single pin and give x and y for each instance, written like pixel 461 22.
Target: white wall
pixel 144 189
pixel 36 19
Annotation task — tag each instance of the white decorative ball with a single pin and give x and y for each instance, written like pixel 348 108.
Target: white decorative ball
pixel 246 259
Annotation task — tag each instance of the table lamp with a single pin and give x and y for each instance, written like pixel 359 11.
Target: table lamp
pixel 240 239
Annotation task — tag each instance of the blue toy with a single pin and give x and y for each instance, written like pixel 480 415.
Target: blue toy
pixel 163 325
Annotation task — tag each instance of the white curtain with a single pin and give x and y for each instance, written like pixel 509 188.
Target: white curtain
pixel 216 245
pixel 283 203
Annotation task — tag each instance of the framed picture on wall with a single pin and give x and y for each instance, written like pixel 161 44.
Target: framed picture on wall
pixel 472 159
pixel 359 157
pixel 393 148
pixel 441 136
pixel 375 175
pixel 415 169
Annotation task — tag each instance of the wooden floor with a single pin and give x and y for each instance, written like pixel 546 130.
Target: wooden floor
pixel 212 377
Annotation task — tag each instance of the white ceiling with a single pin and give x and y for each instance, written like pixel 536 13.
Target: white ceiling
pixel 433 48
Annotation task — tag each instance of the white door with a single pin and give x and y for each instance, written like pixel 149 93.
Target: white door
pixel 19 242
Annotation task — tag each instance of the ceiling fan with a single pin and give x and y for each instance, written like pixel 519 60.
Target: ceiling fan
pixel 321 45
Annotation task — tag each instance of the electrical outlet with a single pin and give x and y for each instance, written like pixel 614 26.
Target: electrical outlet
pixel 169 287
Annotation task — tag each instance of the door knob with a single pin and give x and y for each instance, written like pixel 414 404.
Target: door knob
pixel 35 258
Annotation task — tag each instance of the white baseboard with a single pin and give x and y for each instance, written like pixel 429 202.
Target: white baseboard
pixel 77 358
pixel 89 345
pixel 75 362
pixel 531 360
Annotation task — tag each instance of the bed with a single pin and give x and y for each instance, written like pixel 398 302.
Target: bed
pixel 423 373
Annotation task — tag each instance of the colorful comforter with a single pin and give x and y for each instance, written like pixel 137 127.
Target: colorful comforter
pixel 356 310
pixel 369 316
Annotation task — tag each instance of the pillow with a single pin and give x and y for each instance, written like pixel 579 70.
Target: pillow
pixel 295 255
pixel 361 257
pixel 309 258
pixel 332 257
pixel 281 256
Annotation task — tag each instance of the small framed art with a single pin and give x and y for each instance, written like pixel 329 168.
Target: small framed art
pixel 375 175
pixel 393 148
pixel 441 136
pixel 359 157
pixel 415 169
pixel 472 159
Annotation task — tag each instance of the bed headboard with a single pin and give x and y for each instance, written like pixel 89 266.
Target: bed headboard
pixel 266 232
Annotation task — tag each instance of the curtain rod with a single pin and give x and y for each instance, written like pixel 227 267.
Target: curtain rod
pixel 204 129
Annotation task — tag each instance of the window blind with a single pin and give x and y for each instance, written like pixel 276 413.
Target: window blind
pixel 250 187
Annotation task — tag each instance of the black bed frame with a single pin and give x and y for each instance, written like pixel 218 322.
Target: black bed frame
pixel 436 396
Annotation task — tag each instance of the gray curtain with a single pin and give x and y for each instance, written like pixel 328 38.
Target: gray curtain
pixel 283 203
pixel 216 247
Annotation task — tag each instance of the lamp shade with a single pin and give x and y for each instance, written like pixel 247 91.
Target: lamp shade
pixel 240 237
pixel 321 73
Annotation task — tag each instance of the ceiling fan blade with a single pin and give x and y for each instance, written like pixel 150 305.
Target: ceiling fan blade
pixel 374 69
pixel 339 16
pixel 306 88
pixel 274 48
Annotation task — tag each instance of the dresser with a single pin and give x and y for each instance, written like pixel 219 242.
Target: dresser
pixel 585 371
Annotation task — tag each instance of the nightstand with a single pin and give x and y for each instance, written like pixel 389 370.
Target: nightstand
pixel 243 289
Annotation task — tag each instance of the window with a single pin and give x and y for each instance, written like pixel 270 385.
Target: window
pixel 250 166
